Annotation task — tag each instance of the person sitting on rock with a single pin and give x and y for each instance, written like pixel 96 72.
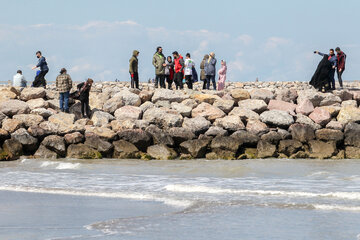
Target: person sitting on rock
pixel 63 86
pixel 84 91
pixel 19 80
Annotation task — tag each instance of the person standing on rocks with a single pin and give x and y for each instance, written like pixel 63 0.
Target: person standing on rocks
pixel 189 65
pixel 169 72
pixel 63 86
pixel 202 72
pixel 19 80
pixel 210 71
pixel 84 91
pixel 222 76
pixel 159 64
pixel 44 69
pixel 341 58
pixel 133 69
pixel 333 60
pixel 179 70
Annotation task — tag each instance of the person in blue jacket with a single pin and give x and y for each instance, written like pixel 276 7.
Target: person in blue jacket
pixel 210 71
pixel 44 69
pixel 333 60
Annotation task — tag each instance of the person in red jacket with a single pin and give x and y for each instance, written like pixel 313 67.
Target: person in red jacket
pixel 341 59
pixel 179 70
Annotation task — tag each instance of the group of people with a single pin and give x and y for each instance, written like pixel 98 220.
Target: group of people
pixel 324 76
pixel 174 69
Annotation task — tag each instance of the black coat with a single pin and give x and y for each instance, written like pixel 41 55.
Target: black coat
pixel 321 77
pixel 84 95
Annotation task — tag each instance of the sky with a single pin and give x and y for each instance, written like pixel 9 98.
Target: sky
pixel 269 40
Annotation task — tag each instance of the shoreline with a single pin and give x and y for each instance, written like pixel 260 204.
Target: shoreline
pixel 246 120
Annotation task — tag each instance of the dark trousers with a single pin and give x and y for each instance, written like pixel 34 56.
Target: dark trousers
pixel 339 74
pixel 40 79
pixel 188 80
pixel 169 81
pixel 160 79
pixel 64 101
pixel 135 80
pixel 332 79
pixel 210 78
pixel 178 80
pixel 85 108
pixel 204 83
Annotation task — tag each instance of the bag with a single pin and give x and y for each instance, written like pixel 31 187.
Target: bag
pixel 75 95
pixel 194 75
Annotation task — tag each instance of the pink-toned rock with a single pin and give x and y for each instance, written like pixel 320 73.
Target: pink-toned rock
pixel 335 125
pixel 207 111
pixel 73 138
pixel 256 127
pixel 282 105
pixel 305 107
pixel 320 116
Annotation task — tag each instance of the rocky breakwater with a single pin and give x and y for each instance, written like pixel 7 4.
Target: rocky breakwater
pixel 246 120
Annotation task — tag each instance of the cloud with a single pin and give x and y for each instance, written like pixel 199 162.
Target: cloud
pixel 42 25
pixel 245 39
pixel 104 25
pixel 274 42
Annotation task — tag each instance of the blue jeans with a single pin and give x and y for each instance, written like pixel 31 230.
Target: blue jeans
pixel 64 101
pixel 210 78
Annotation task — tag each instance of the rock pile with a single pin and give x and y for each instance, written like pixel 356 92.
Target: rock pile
pixel 246 120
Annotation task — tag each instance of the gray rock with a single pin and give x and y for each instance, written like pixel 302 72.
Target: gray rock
pixel 14 107
pixel 230 123
pixel 164 118
pixel 160 136
pixel 180 135
pixel 141 139
pixel 265 149
pixel 32 93
pixel 196 125
pixel 81 151
pixel 44 153
pixel 28 142
pixel 302 132
pixel 100 118
pixel 277 118
pixel 196 148
pixel 168 95
pixel 125 150
pixel 161 152
pixel 55 143
pixel 352 135
pixel 255 105
pixel 216 131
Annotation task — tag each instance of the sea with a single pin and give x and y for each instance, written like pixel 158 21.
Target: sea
pixel 179 199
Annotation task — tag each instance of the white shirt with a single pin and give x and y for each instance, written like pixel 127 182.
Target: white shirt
pixel 189 64
pixel 19 80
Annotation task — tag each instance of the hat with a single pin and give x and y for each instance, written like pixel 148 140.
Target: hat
pixel 62 70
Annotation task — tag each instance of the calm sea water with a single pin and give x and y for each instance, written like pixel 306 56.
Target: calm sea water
pixel 190 200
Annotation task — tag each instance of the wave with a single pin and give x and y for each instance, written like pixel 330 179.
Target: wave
pixel 124 195
pixel 60 165
pixel 214 190
pixel 336 207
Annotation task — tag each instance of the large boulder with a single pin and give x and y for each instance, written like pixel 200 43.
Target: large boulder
pixel 262 94
pixel 45 113
pixel 302 132
pixel 326 135
pixel 11 125
pixel 161 152
pixel 104 133
pixel 272 137
pixel 168 95
pixel 312 95
pixel 140 138
pixel 286 95
pixel 216 131
pixel 255 105
pixel 14 107
pixel 322 150
pixel 256 127
pixel 32 93
pixel 320 116
pixel 290 147
pixel 277 118
pixel 180 134
pixel 37 103
pixel 207 111
pixel 196 148
pixel 74 138
pixel 95 142
pixel 162 117
pixel 111 105
pixel 100 118
pixel 12 149
pixel 305 107
pixel 28 142
pixel 45 153
pixel 349 114
pixel 29 119
pixel 330 99
pixel 128 113
pixel 62 119
pixel 225 105
pixel 335 125
pixel 352 152
pixel 240 94
pixel 265 149
pixel 282 105
pixel 302 119
pixel 145 95
pixel 352 134
pixel 196 125
pixel 82 151
pixel 226 147
pixel 125 150
pixel 230 123
pixel 184 110
pixel 248 139
pixel 160 136
pixel 207 98
pixel 56 144
pixel 244 114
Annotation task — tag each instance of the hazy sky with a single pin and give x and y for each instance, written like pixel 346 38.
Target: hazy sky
pixel 272 40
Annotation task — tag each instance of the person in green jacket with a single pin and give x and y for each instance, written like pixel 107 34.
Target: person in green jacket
pixel 159 64
pixel 133 69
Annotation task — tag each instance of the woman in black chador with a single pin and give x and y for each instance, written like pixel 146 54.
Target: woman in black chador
pixel 321 78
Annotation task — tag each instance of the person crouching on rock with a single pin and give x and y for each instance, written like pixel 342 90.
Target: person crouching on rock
pixel 63 86
pixel 84 90
pixel 133 69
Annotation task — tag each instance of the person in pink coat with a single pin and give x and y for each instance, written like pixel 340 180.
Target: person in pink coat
pixel 222 76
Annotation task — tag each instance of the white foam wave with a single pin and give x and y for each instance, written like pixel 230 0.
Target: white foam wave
pixel 213 190
pixel 60 165
pixel 336 207
pixel 124 195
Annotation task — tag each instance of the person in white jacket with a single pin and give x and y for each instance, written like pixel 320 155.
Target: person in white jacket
pixel 19 80
pixel 189 65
